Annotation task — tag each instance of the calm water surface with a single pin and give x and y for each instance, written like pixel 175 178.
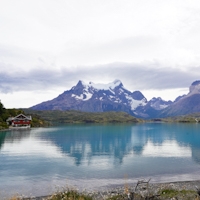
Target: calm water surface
pixel 37 161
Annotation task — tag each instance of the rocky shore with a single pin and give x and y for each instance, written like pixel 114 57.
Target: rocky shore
pixel 143 190
pixel 148 190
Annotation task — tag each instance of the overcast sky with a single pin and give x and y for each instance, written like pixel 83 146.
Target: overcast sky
pixel 46 46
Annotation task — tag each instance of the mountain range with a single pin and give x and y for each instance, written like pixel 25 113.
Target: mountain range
pixel 115 97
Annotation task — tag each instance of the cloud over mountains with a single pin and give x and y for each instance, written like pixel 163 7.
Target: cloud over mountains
pixel 135 76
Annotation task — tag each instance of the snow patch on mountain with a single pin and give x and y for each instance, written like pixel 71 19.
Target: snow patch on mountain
pixel 163 106
pixel 83 97
pixel 135 103
pixel 158 103
pixel 109 86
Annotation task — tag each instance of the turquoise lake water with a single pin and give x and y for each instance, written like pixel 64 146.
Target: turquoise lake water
pixel 38 161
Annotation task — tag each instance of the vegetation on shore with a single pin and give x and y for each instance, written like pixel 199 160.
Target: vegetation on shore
pixel 69 195
pixel 5 113
pixel 162 194
pixel 72 116
pixel 178 194
pixel 37 121
pixel 190 118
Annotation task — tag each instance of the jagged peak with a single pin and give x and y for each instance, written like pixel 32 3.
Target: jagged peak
pixel 80 85
pixel 80 82
pixel 138 95
pixel 156 99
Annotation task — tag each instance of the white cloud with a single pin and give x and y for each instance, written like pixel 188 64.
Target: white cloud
pixel 26 99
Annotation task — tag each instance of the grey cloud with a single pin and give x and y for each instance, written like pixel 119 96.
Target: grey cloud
pixel 134 77
pixel 144 76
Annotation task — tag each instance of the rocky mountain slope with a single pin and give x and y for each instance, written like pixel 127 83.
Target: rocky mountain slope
pixel 105 97
pixel 185 104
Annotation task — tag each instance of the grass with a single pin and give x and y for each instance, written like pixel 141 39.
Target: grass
pixel 188 118
pixel 69 195
pixel 167 193
pixel 178 194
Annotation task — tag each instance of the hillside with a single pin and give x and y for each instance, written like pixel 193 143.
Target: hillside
pixel 64 117
pixel 186 104
pixel 189 118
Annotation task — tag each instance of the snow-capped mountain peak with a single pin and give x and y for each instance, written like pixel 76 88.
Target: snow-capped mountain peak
pixel 102 86
pixel 84 91
pixel 96 97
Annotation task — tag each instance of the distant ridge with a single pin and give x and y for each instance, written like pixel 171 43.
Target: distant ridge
pixel 72 116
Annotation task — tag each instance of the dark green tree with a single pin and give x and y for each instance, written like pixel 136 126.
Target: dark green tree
pixel 2 109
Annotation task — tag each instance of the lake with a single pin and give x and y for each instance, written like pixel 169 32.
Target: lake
pixel 41 160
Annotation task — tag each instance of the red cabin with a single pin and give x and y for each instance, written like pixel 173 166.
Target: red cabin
pixel 20 121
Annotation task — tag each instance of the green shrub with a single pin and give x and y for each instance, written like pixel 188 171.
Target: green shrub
pixel 69 195
pixel 170 193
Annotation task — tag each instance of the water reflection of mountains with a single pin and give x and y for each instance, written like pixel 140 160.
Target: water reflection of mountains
pixel 119 141
pixel 89 141
pixel 84 142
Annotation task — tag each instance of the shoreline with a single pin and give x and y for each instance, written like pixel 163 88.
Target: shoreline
pixel 142 189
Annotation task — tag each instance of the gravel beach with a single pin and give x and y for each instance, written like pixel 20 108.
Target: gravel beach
pixel 144 190
pixel 151 190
